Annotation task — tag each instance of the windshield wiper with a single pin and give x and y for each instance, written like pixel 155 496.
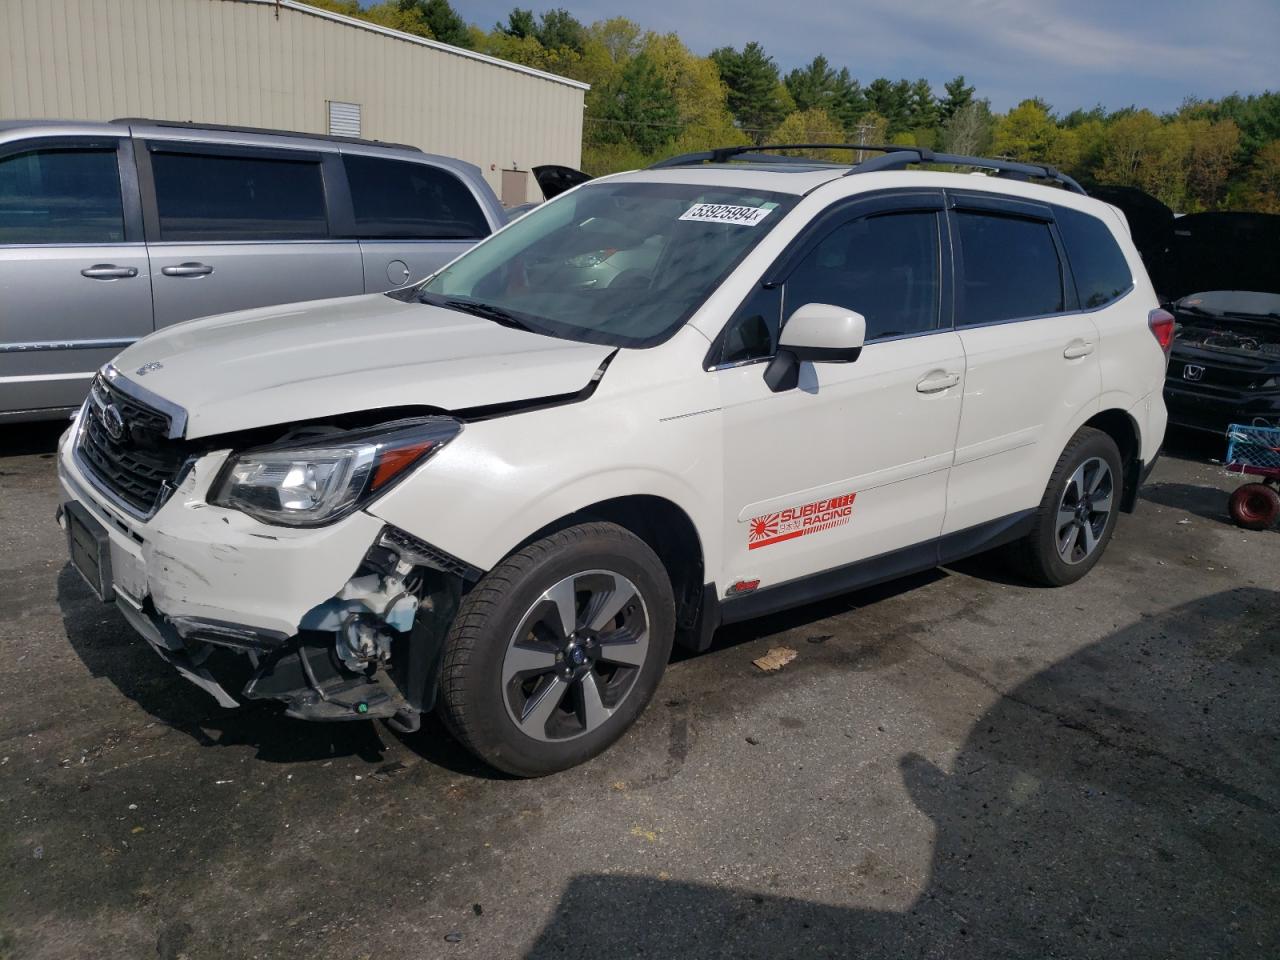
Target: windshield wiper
pixel 478 309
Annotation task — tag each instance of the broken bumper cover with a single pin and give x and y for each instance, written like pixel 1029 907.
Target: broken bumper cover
pixel 339 622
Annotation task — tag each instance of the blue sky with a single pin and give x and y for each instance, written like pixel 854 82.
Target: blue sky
pixel 1073 53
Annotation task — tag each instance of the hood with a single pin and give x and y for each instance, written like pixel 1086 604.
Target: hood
pixel 554 180
pixel 1201 251
pixel 303 361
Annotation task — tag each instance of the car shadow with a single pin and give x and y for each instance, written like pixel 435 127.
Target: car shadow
pixel 25 439
pixel 1123 802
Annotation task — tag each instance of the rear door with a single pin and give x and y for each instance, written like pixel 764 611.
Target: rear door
pixel 231 227
pixel 412 217
pixel 74 279
pixel 1032 369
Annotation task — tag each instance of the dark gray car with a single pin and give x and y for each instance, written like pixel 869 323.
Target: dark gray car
pixel 109 231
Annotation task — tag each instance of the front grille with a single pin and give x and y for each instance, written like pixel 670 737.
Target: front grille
pixel 140 467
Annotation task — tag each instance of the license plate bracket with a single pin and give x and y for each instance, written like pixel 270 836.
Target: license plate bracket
pixel 89 547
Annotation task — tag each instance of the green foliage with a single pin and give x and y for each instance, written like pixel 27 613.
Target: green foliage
pixel 651 97
pixel 441 19
pixel 757 98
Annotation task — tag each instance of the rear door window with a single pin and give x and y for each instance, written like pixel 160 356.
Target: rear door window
pixel 1097 263
pixel 61 195
pixel 399 199
pixel 238 196
pixel 1011 269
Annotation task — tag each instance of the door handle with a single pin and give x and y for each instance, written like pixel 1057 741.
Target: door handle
pixel 1077 349
pixel 108 271
pixel 938 383
pixel 189 269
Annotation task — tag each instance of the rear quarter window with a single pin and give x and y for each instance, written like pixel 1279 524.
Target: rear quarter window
pixel 1101 272
pixel 399 199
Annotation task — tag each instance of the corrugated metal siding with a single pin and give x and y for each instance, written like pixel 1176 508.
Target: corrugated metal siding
pixel 231 61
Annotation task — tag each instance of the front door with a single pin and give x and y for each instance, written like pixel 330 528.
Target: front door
pixel 853 462
pixel 75 284
pixel 230 228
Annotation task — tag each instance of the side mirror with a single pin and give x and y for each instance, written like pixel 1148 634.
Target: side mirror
pixel 819 333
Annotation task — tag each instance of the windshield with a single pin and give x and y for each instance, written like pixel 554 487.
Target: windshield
pixel 620 263
pixel 1238 303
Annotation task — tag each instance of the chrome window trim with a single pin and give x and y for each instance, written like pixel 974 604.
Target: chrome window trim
pixel 39 346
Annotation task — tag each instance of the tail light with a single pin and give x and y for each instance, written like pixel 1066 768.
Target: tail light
pixel 1162 323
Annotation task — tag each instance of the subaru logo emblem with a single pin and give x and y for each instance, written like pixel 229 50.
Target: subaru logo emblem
pixel 113 422
pixel 1192 371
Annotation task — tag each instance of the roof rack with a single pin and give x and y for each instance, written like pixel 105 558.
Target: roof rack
pixel 892 157
pixel 265 131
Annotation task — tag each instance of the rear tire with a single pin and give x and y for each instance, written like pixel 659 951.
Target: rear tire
pixel 1255 506
pixel 1077 515
pixel 531 694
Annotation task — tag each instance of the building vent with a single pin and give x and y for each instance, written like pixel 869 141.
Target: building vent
pixel 344 119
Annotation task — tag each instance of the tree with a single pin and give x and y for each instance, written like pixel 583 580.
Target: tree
pixel 520 24
pixel 892 101
pixel 387 14
pixel 814 125
pixel 1214 147
pixel 561 30
pixel 922 106
pixel 968 130
pixel 1026 132
pixel 1262 184
pixel 813 85
pixel 959 96
pixel 639 107
pixel 441 19
pixel 756 97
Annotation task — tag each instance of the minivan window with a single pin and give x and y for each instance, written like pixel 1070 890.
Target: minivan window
pixel 398 199
pixel 1011 269
pixel 624 263
pixel 885 267
pixel 1099 267
pixel 238 197
pixel 61 195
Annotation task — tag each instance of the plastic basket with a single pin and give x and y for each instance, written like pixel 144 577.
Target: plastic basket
pixel 1253 449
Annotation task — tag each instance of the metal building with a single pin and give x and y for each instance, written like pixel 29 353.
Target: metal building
pixel 282 64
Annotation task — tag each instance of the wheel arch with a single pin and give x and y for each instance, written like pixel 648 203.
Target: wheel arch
pixel 1122 428
pixel 667 529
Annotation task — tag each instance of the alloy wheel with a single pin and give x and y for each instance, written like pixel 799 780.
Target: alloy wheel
pixel 1084 510
pixel 576 655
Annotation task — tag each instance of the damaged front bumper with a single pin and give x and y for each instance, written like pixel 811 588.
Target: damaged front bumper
pixel 341 622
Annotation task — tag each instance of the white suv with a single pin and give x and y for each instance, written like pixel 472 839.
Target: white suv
pixel 507 491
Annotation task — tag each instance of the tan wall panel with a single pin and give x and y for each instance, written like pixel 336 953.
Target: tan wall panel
pixel 232 61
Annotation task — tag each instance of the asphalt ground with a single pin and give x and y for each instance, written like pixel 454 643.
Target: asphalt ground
pixel 956 765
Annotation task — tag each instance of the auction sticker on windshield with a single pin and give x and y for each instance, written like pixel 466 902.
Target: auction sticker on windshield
pixel 726 213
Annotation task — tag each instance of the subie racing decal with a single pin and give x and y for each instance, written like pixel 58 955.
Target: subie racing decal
pixel 798 521
pixel 726 213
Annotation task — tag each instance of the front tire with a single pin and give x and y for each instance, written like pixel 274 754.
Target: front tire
pixel 557 650
pixel 1077 515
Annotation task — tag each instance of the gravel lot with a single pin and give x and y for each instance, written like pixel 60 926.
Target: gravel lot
pixel 957 765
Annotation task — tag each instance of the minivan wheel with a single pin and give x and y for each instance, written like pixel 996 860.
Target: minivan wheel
pixel 1077 515
pixel 557 650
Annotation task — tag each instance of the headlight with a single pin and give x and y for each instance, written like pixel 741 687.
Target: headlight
pixel 313 482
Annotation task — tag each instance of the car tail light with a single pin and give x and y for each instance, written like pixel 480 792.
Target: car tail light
pixel 1162 323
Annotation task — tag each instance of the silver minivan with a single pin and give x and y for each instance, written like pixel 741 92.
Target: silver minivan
pixel 109 231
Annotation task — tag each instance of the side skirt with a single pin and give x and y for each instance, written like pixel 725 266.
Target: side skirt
pixel 856 576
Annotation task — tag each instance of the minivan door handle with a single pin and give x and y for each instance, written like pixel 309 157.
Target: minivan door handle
pixel 108 271
pixel 1077 349
pixel 190 269
pixel 937 382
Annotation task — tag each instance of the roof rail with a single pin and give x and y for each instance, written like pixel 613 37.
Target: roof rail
pixel 725 154
pixel 266 131
pixel 892 157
